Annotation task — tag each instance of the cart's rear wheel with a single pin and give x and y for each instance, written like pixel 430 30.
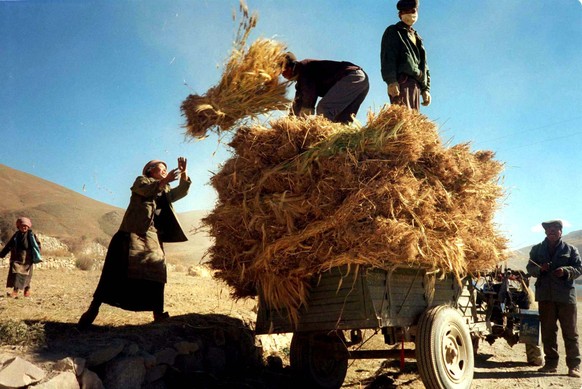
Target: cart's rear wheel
pixel 444 349
pixel 321 359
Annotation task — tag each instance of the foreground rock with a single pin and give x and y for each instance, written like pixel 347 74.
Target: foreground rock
pixel 212 351
pixel 16 372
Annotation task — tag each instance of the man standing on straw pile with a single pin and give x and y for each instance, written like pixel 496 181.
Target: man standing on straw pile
pixel 403 60
pixel 342 87
pixel 556 265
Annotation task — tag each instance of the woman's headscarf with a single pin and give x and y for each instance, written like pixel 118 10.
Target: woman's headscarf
pixel 150 165
pixel 23 221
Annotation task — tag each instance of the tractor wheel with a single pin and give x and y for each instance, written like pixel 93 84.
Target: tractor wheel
pixel 320 359
pixel 444 349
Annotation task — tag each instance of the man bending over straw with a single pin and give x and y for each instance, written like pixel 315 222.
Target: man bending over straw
pixel 342 87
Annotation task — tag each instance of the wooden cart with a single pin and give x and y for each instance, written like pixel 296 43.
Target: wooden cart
pixel 438 314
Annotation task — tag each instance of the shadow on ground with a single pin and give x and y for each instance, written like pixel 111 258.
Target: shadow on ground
pixel 244 367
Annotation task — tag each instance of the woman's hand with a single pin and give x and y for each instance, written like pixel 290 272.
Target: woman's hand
pixel 171 176
pixel 176 173
pixel 182 166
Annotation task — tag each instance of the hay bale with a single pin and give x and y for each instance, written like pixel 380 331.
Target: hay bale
pixel 307 194
pixel 250 85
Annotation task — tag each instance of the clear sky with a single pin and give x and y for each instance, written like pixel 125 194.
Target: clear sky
pixel 91 90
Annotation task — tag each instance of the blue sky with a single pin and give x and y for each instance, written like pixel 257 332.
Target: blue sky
pixel 91 90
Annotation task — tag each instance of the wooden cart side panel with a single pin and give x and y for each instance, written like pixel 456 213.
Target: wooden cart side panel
pixel 338 300
pixel 399 297
pixel 370 298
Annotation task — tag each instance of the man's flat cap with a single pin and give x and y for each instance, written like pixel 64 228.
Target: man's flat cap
pixel 550 222
pixel 406 5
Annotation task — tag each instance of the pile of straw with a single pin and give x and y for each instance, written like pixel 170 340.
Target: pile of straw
pixel 307 194
pixel 250 85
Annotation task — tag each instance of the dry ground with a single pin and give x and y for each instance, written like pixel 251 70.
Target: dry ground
pixel 60 297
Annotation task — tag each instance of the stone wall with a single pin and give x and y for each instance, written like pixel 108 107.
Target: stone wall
pixel 68 262
pixel 53 247
pixel 214 351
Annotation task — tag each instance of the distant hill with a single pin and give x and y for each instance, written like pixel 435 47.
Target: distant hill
pixel 55 210
pixel 197 244
pixel 73 218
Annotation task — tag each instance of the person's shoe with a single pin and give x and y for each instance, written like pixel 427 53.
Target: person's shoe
pixel 574 372
pixel 26 292
pixel 161 316
pixel 14 294
pixel 548 369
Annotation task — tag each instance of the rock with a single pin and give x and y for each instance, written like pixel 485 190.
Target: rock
pixel 90 380
pixel 149 360
pixel 156 373
pixel 75 365
pixel 131 349
pixel 159 384
pixel 124 373
pixel 50 244
pixel 189 362
pixel 4 357
pixel 16 372
pixel 93 249
pixel 215 360
pixel 50 262
pixel 166 356
pixel 184 348
pixel 65 380
pixel 105 354
pixel 219 338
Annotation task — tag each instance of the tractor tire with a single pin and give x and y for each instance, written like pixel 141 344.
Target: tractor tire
pixel 320 359
pixel 444 349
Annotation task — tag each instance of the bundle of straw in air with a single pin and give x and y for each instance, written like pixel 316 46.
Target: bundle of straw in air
pixel 307 194
pixel 250 85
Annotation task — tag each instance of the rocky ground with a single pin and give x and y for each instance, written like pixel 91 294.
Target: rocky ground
pixel 60 295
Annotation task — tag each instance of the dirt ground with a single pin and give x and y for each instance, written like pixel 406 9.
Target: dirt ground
pixel 60 297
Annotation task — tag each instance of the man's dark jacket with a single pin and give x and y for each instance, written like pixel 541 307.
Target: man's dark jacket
pixel 139 216
pixel 315 78
pixel 548 286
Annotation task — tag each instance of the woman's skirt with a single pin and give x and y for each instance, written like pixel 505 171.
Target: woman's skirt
pixel 117 289
pixel 19 281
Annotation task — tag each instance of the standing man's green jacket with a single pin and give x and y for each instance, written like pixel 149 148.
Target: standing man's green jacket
pixel 399 55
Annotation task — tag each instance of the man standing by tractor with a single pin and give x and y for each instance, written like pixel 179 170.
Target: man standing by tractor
pixel 556 265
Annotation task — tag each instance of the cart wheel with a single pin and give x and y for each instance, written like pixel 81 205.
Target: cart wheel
pixel 444 350
pixel 321 359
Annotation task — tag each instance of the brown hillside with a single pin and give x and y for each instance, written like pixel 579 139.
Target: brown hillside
pixel 73 218
pixel 55 210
